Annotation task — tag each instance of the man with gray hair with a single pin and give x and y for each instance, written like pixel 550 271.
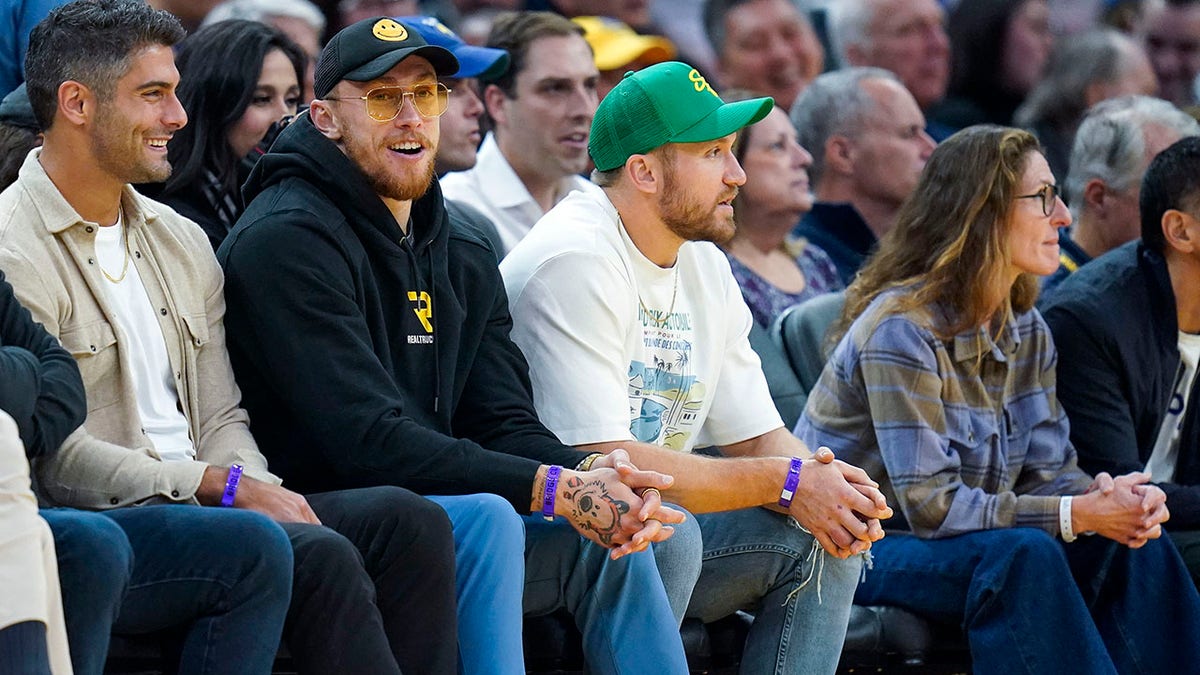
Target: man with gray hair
pixel 1114 145
pixel 907 37
pixel 867 138
pixel 1083 71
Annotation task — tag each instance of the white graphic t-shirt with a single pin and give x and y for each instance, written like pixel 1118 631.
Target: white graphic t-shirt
pixel 622 349
pixel 1161 464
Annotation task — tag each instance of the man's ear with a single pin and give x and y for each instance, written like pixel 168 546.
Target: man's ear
pixel 644 173
pixel 76 103
pixel 839 155
pixel 494 99
pixel 324 119
pixel 1181 231
pixel 1095 193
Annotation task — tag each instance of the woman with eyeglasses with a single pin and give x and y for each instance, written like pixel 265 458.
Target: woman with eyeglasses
pixel 942 387
pixel 237 81
pixel 774 269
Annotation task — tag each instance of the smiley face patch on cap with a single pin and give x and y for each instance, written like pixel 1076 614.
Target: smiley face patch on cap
pixel 387 29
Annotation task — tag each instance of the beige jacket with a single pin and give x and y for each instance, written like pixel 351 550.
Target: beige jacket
pixel 48 253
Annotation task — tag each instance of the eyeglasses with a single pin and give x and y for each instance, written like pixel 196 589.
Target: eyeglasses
pixel 384 103
pixel 1048 194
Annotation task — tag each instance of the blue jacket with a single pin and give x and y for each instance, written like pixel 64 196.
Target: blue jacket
pixel 1115 325
pixel 839 230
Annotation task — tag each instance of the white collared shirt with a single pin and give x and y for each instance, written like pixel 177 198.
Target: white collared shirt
pixel 494 188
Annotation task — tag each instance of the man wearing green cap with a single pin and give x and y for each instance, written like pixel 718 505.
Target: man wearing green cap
pixel 627 290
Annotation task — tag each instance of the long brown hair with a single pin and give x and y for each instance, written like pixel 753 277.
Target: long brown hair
pixel 949 245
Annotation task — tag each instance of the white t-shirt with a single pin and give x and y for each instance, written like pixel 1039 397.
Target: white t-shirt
pixel 1161 464
pixel 622 349
pixel 493 187
pixel 137 325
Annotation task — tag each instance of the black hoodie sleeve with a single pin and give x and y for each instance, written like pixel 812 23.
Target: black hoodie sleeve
pixel 40 385
pixel 295 325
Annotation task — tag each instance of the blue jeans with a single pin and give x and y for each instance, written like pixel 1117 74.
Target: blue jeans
pixel 1031 604
pixel 759 560
pixel 225 574
pixel 619 606
pixel 489 546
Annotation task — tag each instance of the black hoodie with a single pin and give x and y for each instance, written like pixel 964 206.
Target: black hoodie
pixel 366 358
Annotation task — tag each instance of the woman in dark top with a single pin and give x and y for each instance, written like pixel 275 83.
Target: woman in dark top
pixel 238 80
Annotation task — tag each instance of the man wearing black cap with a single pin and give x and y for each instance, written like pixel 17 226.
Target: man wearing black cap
pixel 636 336
pixel 371 342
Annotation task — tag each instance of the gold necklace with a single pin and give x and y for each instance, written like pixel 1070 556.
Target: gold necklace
pixel 124 265
pixel 670 310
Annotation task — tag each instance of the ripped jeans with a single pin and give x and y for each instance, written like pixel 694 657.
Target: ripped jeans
pixel 761 561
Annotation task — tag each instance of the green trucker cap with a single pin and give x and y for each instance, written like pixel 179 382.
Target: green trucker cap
pixel 667 102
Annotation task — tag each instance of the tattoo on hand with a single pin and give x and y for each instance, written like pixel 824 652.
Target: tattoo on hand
pixel 594 509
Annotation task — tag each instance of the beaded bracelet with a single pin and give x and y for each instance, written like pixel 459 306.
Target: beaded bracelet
pixel 550 491
pixel 790 483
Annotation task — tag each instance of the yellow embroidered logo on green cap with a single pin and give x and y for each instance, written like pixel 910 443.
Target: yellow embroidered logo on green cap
pixel 386 29
pixel 700 83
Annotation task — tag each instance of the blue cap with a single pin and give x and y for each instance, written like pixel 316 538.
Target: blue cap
pixel 472 61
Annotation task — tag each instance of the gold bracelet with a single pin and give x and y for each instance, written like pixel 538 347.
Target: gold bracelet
pixel 586 463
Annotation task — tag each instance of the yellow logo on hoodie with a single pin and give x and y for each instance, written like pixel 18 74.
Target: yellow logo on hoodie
pixel 424 308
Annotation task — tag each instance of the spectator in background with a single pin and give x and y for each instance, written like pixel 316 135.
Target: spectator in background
pixel 774 269
pixel 1000 48
pixel 541 110
pixel 1115 143
pixel 764 45
pixel 237 80
pixel 460 133
pixel 353 11
pixel 1128 331
pixel 868 143
pixel 1170 31
pixel 1083 71
pixel 943 387
pixel 633 13
pixel 907 37
pixel 190 13
pixel 19 133
pixel 618 50
pixel 300 20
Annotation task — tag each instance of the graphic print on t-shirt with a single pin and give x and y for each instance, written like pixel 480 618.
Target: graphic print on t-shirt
pixel 665 397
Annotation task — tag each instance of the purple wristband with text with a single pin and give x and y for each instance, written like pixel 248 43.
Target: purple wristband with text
pixel 790 483
pixel 550 491
pixel 231 485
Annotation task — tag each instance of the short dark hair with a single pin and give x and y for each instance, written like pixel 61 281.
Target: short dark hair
pixel 515 32
pixel 1171 182
pixel 90 42
pixel 219 66
pixel 714 20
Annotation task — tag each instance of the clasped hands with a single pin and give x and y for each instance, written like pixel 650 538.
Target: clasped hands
pixel 1126 509
pixel 839 504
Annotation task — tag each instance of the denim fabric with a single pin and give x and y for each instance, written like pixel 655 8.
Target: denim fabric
pixel 224 573
pixel 619 606
pixel 1030 604
pixel 95 563
pixel 759 560
pixel 489 551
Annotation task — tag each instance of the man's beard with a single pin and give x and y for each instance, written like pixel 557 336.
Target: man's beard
pixel 690 220
pixel 383 181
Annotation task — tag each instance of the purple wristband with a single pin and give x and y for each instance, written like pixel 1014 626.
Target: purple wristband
pixel 550 491
pixel 231 485
pixel 790 483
